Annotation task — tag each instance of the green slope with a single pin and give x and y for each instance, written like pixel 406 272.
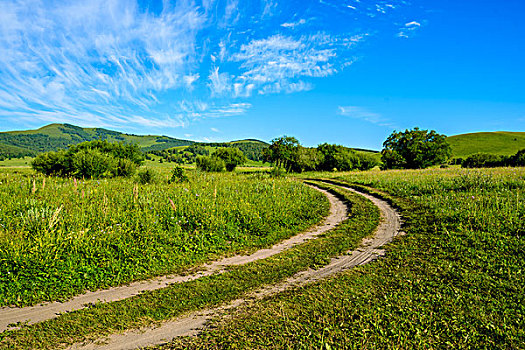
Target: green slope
pixel 498 142
pixel 56 136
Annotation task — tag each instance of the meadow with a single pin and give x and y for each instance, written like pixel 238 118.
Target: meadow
pixel 153 307
pixel 455 280
pixel 59 237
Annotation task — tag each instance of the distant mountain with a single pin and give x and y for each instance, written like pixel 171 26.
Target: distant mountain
pixel 56 136
pixel 497 142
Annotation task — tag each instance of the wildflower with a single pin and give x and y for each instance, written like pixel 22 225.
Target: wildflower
pixel 172 204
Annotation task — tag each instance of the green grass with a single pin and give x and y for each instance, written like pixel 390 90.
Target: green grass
pixel 456 280
pixel 152 307
pixel 65 236
pixel 17 162
pixel 499 142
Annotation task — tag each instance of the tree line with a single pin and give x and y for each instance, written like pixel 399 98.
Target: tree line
pixel 286 152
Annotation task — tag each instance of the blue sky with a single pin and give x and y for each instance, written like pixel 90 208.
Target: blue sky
pixel 338 71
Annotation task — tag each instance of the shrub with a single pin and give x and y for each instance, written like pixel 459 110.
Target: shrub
pixel 231 157
pixel 147 176
pixel 277 172
pixel 518 159
pixel 211 164
pixel 483 160
pixel 125 168
pixel 177 175
pixel 91 163
pixel 92 159
pixel 367 161
pixel 53 163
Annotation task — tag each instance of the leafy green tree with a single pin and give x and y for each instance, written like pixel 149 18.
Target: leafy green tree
pixel 231 157
pixel 308 159
pixel 283 152
pixel 414 149
pixel 337 157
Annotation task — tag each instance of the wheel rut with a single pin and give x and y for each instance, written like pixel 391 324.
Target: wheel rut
pixel 46 311
pixel 193 323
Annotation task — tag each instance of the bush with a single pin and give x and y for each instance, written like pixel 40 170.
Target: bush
pixel 277 172
pixel 484 160
pixel 367 161
pixel 125 168
pixel 53 163
pixel 93 164
pixel 210 164
pixel 456 161
pixel 231 157
pixel 177 175
pixel 518 159
pixel 91 159
pixel 147 176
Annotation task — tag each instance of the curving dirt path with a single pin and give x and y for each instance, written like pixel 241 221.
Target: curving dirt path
pixel 46 311
pixel 192 324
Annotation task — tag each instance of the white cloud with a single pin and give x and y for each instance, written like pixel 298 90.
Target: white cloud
pixel 219 83
pixel 214 129
pixel 361 113
pixel 190 79
pixel 277 63
pixel 71 59
pixel 112 63
pixel 413 24
pixel 292 25
pixel 409 29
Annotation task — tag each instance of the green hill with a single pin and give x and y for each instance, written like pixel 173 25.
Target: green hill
pixel 56 136
pixel 497 142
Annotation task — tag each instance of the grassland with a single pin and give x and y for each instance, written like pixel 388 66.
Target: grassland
pixel 456 280
pixel 499 142
pixel 152 307
pixel 59 237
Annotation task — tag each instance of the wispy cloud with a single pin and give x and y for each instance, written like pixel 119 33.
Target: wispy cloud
pixel 409 29
pixel 364 114
pixel 292 25
pixel 113 63
pixel 280 63
pixel 71 59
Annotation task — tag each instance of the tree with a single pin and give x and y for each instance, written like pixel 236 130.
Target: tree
pixel 283 152
pixel 414 149
pixel 231 157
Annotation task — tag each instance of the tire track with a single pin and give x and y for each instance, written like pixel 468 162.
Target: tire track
pixel 46 311
pixel 193 323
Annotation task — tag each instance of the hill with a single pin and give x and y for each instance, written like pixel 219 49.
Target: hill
pixel 55 136
pixel 251 148
pixel 497 142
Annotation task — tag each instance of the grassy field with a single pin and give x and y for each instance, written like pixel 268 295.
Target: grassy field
pixel 500 142
pixel 150 308
pixel 456 280
pixel 16 162
pixel 59 237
